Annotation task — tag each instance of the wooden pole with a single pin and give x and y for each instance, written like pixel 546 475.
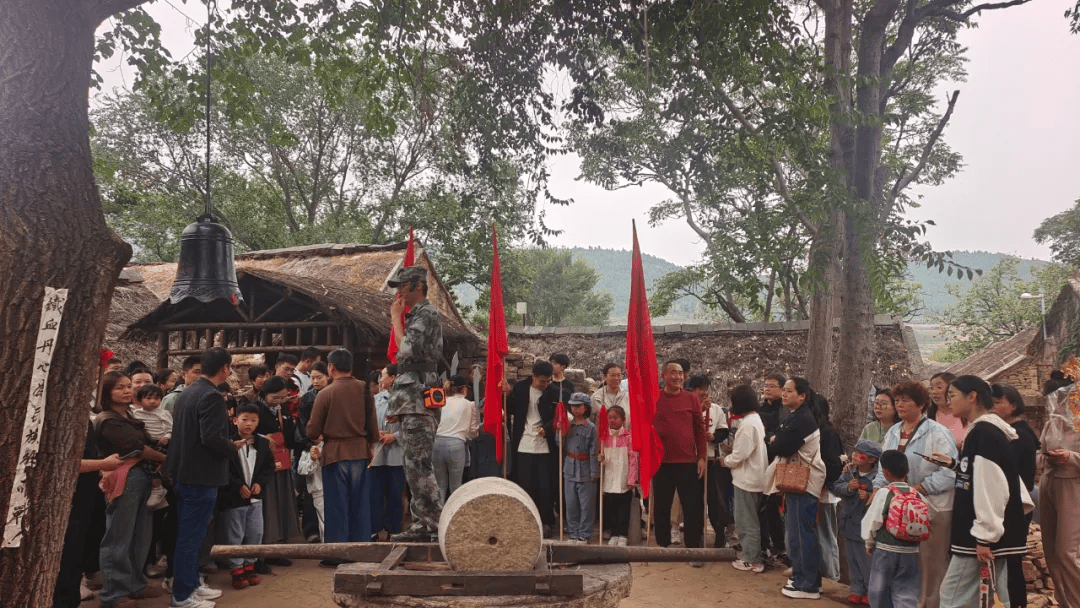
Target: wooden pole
pixel 378 449
pixel 600 541
pixel 648 522
pixel 505 428
pixel 561 497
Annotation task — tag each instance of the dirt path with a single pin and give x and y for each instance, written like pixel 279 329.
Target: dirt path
pixel 657 585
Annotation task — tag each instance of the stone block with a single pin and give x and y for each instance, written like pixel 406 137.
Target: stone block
pixel 1031 573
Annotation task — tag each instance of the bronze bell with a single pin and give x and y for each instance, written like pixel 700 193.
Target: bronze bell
pixel 206 270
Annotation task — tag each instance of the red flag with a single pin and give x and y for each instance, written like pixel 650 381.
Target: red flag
pixel 562 421
pixel 641 375
pixel 497 348
pixel 604 430
pixel 410 260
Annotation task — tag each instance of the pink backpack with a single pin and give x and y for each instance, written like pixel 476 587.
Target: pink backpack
pixel 909 517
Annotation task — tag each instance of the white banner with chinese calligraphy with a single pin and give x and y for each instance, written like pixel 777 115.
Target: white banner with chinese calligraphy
pixel 52 310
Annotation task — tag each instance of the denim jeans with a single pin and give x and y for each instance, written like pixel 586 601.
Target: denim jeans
pixel 800 519
pixel 448 458
pixel 385 485
pixel 243 526
pixel 747 525
pixel 348 518
pixel 580 508
pixel 193 517
pixel 127 539
pixel 895 580
pixel 858 566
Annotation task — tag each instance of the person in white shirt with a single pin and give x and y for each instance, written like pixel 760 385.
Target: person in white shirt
pixel 302 373
pixel 610 394
pixel 532 448
pixel 458 423
pixel 748 462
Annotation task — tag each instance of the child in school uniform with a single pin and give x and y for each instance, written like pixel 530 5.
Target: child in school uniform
pixel 854 487
pixel 895 579
pixel 250 469
pixel 620 464
pixel 581 469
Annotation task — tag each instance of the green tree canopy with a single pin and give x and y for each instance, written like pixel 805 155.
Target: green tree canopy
pixel 1062 231
pixel 992 310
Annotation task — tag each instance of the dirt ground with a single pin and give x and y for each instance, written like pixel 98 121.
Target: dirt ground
pixel 661 585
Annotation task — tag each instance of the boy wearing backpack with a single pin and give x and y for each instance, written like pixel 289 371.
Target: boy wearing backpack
pixel 896 521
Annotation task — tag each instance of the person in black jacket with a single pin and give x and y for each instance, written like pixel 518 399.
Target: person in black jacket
pixel 198 462
pixel 1009 405
pixel 532 440
pixel 832 448
pixel 772 411
pixel 988 513
pixel 250 470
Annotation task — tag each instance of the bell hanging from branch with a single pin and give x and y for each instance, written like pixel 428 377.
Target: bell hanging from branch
pixel 206 270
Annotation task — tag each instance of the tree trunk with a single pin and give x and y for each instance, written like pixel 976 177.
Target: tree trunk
pixel 824 306
pixel 54 235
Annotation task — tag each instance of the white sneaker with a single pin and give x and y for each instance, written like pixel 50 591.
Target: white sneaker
pixel 157 499
pixel 791 584
pixel 607 534
pixel 206 593
pixel 622 541
pixel 747 566
pixel 613 542
pixel 192 602
pixel 158 568
pixel 676 537
pixel 800 595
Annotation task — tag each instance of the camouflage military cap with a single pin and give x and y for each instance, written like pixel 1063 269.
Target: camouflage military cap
pixel 408 274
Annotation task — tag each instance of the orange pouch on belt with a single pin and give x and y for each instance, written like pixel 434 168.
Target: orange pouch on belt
pixel 434 398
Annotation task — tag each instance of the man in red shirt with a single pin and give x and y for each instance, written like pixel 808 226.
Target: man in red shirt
pixel 681 427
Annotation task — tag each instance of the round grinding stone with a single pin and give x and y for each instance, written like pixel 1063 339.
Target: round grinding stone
pixel 490 525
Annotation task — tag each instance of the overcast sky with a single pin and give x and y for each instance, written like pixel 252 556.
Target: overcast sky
pixel 1017 125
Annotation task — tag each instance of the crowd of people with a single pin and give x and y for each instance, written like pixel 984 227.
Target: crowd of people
pixel 936 491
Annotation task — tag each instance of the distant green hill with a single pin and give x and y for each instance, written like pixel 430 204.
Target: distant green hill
pixel 936 298
pixel 613 266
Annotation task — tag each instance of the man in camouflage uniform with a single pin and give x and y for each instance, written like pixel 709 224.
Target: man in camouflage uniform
pixel 421 345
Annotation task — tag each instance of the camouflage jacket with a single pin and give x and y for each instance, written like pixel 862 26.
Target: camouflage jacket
pixel 421 344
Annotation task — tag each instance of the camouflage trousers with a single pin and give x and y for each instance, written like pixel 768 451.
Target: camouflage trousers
pixel 418 439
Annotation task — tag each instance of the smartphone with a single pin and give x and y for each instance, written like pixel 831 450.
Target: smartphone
pixel 932 460
pixel 131 455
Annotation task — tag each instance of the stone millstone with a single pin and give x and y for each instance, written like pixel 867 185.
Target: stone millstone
pixel 490 525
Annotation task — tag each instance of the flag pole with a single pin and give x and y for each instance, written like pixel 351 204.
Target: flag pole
pixel 600 540
pixel 505 431
pixel 561 497
pixel 648 520
pixel 708 429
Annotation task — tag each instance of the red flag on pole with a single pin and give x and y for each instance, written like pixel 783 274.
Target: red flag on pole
pixel 603 426
pixel 497 348
pixel 410 260
pixel 641 375
pixel 562 421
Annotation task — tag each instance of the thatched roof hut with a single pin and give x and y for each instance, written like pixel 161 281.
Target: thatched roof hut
pixel 327 296
pixel 729 353
pixel 131 301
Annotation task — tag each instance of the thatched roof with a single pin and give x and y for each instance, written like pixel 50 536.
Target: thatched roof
pixel 131 301
pixel 363 266
pixel 729 354
pixel 996 358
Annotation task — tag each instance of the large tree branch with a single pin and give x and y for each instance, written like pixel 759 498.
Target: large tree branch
pixel 906 178
pixel 100 10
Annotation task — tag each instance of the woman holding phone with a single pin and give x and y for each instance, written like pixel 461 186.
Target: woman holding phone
pixel 127 519
pixel 915 435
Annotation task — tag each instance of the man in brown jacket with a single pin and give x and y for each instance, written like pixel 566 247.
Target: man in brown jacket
pixel 344 415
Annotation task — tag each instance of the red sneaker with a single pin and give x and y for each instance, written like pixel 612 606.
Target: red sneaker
pixel 855 599
pixel 866 599
pixel 239 580
pixel 249 574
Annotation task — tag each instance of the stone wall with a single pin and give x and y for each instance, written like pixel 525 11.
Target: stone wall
pixel 1040 586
